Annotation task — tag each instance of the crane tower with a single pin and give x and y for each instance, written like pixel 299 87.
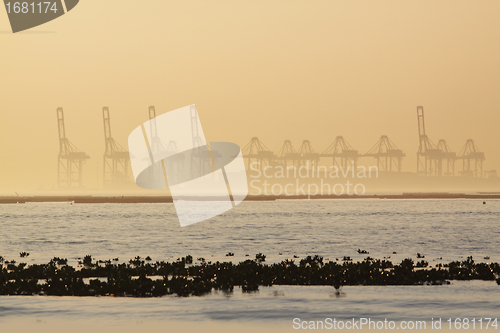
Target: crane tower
pixel 429 156
pixel 116 160
pixel 70 159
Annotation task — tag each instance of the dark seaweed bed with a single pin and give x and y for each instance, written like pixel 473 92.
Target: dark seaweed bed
pixel 144 278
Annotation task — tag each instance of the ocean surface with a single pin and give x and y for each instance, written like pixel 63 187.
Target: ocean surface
pixel 440 230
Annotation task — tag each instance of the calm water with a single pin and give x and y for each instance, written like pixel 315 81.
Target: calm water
pixel 451 229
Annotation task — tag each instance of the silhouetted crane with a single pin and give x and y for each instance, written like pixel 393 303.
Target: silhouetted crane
pixel 309 157
pixel 156 144
pixel 342 153
pixel 288 154
pixel 429 156
pixel 387 154
pixel 257 152
pixel 70 159
pixel 448 156
pixel 472 159
pixel 116 160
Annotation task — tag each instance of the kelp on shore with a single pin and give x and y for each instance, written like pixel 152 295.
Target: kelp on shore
pixel 144 278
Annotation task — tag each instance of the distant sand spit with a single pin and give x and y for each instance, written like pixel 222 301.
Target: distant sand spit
pixel 166 199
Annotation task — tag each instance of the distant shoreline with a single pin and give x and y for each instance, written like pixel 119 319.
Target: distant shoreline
pixel 168 199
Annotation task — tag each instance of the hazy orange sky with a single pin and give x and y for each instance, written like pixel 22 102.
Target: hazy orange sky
pixel 273 69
